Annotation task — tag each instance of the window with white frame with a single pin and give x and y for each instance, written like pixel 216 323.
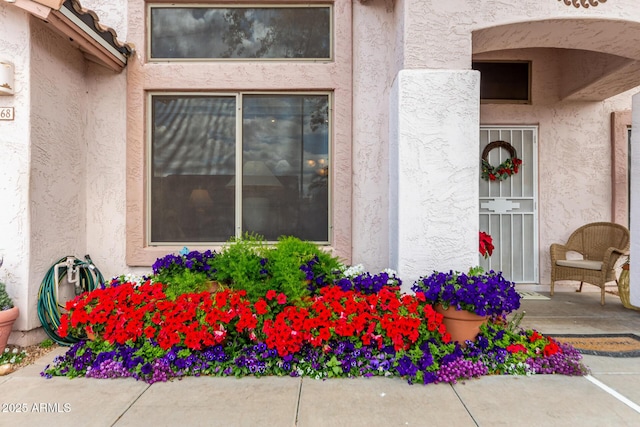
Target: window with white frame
pixel 222 164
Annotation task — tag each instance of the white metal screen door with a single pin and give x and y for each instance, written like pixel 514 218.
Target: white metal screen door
pixel 508 208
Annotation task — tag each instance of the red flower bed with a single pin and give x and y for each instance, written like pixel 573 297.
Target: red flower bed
pixel 129 314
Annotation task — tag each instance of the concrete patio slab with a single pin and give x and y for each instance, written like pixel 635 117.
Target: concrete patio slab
pixel 217 401
pixel 379 401
pixel 543 400
pixel 625 384
pixel 35 401
pixel 612 365
pixel 579 313
pixel 550 400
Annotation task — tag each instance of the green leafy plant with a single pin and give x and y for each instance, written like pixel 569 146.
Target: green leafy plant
pixel 285 259
pixel 13 355
pixel 241 265
pixel 186 281
pixel 48 343
pixel 5 300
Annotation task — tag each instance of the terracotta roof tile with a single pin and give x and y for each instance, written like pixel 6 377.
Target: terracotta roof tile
pixel 90 18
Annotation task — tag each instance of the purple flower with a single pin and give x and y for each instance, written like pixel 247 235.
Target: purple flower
pixel 486 294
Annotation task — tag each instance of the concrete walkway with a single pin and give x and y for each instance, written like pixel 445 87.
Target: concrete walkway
pixel 610 396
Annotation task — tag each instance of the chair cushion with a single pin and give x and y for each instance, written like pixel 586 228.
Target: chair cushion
pixel 580 263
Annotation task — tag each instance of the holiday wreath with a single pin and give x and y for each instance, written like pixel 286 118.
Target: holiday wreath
pixel 505 169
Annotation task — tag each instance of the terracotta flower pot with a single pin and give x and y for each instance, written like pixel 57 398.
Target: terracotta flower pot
pixel 462 325
pixel 7 317
pixel 214 287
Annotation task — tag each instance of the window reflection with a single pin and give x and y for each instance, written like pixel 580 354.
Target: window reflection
pixel 285 175
pixel 289 135
pixel 193 157
pixel 276 32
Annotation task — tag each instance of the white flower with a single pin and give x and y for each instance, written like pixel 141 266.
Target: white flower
pixel 130 278
pixel 354 270
pixel 390 272
pixel 393 276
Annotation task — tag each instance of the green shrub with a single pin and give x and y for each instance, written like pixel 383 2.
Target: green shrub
pixel 284 261
pixel 186 281
pixel 241 263
pixel 249 263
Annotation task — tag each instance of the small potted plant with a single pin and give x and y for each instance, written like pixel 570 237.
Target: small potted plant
pixel 469 297
pixel 8 315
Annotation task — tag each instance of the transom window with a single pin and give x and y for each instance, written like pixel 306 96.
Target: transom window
pixel 240 32
pixel 223 164
pixel 504 81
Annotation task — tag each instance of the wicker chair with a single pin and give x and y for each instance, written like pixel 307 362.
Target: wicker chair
pixel 600 244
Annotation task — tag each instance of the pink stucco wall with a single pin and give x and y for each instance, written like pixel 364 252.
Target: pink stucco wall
pixel 418 34
pixel 96 114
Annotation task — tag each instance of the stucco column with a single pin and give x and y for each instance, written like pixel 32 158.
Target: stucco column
pixel 434 172
pixel 15 164
pixel 634 204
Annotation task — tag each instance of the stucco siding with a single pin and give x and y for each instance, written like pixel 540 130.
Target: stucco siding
pixel 435 220
pixel 15 227
pixel 574 150
pixel 70 168
pixel 106 176
pixel 57 208
pixel 106 153
pixel 373 56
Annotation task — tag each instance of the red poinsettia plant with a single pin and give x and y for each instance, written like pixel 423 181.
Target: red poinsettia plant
pixel 486 244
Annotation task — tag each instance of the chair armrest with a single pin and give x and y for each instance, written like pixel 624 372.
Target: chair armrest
pixel 611 255
pixel 558 251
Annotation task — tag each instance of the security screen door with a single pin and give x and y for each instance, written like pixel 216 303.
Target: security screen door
pixel 508 208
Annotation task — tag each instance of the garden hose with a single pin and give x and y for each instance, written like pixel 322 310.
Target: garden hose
pixel 82 274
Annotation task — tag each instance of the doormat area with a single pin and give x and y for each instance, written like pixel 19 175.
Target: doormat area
pixel 532 295
pixel 612 345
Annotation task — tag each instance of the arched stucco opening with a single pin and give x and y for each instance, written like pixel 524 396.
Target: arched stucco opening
pixel 580 66
pixel 599 59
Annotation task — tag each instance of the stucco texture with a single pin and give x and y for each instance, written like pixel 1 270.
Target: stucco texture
pixel 68 175
pixel 434 218
pixel 439 35
pixel 57 202
pixel 15 159
pixel 574 150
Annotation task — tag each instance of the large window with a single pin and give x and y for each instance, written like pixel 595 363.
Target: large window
pixel 239 119
pixel 203 32
pixel 199 143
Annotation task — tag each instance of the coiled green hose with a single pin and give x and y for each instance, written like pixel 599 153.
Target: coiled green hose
pixel 48 304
